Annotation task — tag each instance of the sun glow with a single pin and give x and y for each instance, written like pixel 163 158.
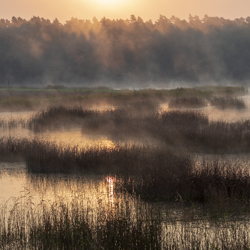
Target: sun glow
pixel 110 3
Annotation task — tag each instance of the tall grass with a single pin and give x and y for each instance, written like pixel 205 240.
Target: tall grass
pixel 224 186
pixel 69 226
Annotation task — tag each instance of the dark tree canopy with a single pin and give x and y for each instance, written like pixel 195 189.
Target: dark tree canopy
pixel 132 51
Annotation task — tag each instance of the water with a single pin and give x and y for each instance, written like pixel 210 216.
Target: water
pixel 95 194
pixel 75 136
pixel 98 194
pixel 16 115
pixel 215 114
pixel 182 227
pixel 92 191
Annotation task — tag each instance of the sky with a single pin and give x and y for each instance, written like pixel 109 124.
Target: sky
pixel 115 9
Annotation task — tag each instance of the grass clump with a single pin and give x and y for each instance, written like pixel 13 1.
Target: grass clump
pixel 56 117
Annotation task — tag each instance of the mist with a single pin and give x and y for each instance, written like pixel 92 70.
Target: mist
pixel 131 52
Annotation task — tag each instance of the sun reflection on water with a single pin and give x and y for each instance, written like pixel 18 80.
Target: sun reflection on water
pixel 110 181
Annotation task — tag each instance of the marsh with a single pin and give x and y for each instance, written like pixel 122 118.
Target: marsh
pixel 130 171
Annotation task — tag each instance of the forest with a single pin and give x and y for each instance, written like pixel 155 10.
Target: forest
pixel 168 52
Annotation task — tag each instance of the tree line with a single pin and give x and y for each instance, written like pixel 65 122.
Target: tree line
pixel 124 51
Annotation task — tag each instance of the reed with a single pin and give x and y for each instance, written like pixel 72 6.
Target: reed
pixel 224 186
pixel 69 226
pixel 13 123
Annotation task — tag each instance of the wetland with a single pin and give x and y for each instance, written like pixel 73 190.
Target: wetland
pixel 125 169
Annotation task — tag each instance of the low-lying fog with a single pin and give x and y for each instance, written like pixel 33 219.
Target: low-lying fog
pixel 75 136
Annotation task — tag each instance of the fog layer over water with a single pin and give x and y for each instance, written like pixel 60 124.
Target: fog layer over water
pixel 76 136
pixel 216 114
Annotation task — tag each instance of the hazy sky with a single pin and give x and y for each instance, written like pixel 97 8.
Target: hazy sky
pixel 146 9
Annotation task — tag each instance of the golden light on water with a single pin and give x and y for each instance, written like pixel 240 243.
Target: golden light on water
pixel 76 138
pixel 110 181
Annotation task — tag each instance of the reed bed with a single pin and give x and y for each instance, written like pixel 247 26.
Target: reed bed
pixel 31 99
pixel 160 173
pixel 229 102
pixel 139 114
pixel 69 226
pixel 56 117
pixel 153 173
pixel 186 129
pixel 43 156
pixel 187 102
pixel 223 186
pixel 221 137
pixel 13 123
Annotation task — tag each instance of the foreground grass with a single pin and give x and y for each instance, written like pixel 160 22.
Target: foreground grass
pixel 70 226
